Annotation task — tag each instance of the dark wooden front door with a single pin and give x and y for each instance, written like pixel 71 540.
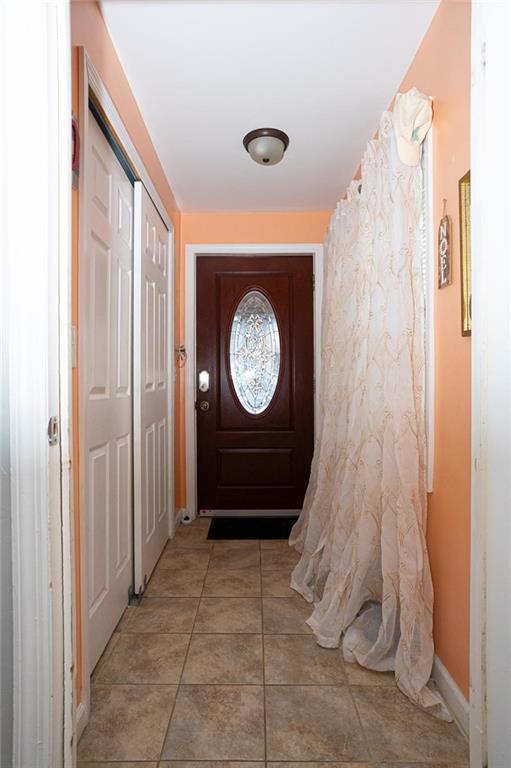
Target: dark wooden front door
pixel 255 411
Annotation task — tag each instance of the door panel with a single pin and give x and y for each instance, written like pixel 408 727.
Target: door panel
pixel 249 459
pixel 105 357
pixel 151 388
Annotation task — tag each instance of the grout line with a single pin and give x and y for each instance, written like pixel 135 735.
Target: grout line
pixel 185 660
pixel 265 726
pixel 353 701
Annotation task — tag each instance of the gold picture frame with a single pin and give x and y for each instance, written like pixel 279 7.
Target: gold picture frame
pixel 465 255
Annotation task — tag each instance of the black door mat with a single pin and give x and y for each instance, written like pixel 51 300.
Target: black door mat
pixel 251 527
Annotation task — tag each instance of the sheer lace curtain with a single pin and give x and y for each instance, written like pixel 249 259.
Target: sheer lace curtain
pixel 361 534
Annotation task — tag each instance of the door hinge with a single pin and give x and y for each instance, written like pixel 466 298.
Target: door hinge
pixel 313 282
pixel 53 431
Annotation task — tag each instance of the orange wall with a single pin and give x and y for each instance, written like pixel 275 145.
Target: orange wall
pixel 88 30
pixel 224 228
pixel 441 69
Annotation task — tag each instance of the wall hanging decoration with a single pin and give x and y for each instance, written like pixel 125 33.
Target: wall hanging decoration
pixel 444 250
pixel 466 257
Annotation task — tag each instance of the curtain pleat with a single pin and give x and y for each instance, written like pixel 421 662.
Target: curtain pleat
pixel 361 534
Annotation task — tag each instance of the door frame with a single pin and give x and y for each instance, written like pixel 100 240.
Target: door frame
pixel 490 608
pixel 90 81
pixel 191 253
pixel 35 189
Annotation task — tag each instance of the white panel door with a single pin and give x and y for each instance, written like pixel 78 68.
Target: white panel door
pixel 151 416
pixel 106 391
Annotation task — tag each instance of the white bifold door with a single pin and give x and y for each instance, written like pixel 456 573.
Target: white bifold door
pixel 124 392
pixel 151 405
pixel 106 430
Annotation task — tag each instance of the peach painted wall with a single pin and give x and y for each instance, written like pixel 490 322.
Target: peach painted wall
pixel 88 30
pixel 441 69
pixel 225 228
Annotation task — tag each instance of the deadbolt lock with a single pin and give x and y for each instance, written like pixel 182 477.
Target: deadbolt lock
pixel 204 405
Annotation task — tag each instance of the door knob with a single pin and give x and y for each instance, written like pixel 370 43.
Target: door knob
pixel 204 405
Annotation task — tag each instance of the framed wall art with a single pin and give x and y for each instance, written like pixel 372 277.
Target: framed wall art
pixel 465 255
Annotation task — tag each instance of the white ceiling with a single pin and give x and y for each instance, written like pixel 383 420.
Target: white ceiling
pixel 205 72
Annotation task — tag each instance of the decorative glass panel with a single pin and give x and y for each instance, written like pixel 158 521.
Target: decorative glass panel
pixel 255 352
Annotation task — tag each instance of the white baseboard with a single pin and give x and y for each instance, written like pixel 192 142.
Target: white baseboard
pixel 455 700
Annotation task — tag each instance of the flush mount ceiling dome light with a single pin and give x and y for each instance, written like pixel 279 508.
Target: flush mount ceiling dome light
pixel 266 146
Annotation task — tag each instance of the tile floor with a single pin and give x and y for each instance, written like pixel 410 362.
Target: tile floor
pixel 217 669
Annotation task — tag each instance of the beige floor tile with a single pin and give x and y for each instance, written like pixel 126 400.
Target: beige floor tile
pixel 210 764
pixel 235 558
pixel 286 616
pixel 222 545
pixel 279 544
pixel 199 530
pixel 358 675
pixel 243 582
pixel 313 723
pixel 143 658
pixel 220 615
pixel 224 659
pixel 184 559
pixel 279 560
pixel 421 765
pixel 217 722
pixel 276 584
pixel 127 722
pixel 169 582
pixel 105 656
pixel 118 765
pixel 125 618
pixel 299 660
pixel 163 615
pixel 322 765
pixel 189 540
pixel 397 730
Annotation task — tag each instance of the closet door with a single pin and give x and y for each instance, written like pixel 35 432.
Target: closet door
pixel 151 416
pixel 106 391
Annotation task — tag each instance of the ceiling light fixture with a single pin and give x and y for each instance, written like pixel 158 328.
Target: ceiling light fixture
pixel 266 146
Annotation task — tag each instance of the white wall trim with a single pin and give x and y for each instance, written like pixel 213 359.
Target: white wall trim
pixel 94 82
pixel 36 189
pixel 82 720
pixel 89 79
pixel 490 614
pixel 456 702
pixel 191 253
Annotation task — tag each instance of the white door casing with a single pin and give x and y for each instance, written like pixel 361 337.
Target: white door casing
pixel 151 411
pixel 35 292
pixel 191 253
pixel 106 391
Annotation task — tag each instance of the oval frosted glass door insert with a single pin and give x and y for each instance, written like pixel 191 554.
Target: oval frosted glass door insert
pixel 254 352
